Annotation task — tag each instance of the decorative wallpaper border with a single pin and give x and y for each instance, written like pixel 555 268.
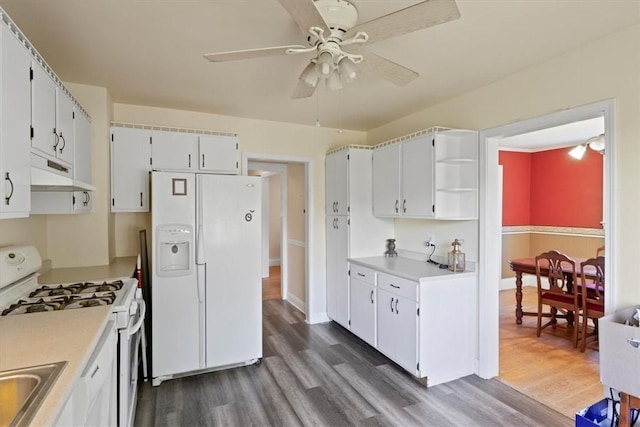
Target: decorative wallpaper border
pixel 171 129
pixel 546 229
pixel 411 135
pixel 346 147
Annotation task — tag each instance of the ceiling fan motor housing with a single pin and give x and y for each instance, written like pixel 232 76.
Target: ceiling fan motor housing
pixel 340 16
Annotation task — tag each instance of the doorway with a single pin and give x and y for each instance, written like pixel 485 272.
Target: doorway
pixel 295 216
pixel 491 219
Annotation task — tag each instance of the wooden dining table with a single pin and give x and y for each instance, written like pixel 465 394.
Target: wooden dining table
pixel 527 265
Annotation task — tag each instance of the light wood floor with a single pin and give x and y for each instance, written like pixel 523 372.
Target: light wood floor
pixel 271 288
pixel 548 368
pixel 322 375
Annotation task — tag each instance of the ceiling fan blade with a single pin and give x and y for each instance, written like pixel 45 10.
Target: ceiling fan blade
pixel 386 69
pixel 413 18
pixel 249 53
pixel 306 15
pixel 302 90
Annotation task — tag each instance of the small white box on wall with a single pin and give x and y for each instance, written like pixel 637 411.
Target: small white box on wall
pixel 620 352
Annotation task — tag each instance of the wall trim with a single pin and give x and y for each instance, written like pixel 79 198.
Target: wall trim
pixel 296 302
pixel 273 262
pixel 550 229
pixel 297 243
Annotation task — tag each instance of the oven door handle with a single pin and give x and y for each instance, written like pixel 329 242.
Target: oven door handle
pixel 143 311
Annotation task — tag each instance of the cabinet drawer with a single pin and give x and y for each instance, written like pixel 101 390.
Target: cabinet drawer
pixel 363 274
pixel 398 285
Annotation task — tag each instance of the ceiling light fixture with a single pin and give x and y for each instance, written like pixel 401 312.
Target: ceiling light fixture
pixel 596 143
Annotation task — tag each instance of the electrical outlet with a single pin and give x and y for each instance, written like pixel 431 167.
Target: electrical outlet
pixel 429 241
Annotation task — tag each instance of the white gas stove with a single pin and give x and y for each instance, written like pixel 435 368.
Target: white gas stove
pixel 21 294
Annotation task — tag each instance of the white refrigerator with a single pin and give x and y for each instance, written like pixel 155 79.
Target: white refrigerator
pixel 206 289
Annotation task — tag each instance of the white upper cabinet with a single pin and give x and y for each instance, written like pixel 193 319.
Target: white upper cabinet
pixel 337 183
pixel 64 127
pixel 15 117
pixel 386 181
pixel 130 167
pixel 82 148
pixel 44 138
pixel 416 179
pixel 174 151
pixel 218 154
pixel 431 175
pixel 183 151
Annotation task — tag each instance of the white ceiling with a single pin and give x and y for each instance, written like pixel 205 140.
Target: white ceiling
pixel 149 52
pixel 575 133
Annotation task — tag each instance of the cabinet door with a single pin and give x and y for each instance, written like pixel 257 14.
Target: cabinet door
pixel 363 310
pixel 64 127
pixel 15 109
pixel 337 183
pixel 82 201
pixel 43 111
pixel 82 148
pixel 386 181
pixel 218 153
pixel 417 177
pixel 338 269
pixel 130 166
pixel 174 151
pixel 386 322
pixel 406 324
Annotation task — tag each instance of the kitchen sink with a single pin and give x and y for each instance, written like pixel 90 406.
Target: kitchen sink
pixel 23 390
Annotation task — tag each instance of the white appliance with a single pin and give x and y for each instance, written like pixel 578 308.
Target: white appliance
pixel 21 294
pixel 207 288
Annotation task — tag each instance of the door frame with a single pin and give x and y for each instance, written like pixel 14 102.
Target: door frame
pixel 277 169
pixel 490 224
pixel 310 300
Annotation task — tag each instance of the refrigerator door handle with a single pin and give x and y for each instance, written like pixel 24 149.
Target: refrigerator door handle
pixel 200 258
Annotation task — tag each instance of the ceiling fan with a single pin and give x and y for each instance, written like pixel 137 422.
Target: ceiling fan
pixel 337 41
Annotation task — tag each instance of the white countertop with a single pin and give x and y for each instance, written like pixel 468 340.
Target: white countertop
pixel 407 268
pixel 41 338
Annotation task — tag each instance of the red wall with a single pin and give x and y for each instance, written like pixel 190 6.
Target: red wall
pixel 551 188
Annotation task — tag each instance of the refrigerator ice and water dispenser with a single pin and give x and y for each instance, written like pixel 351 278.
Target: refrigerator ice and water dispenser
pixel 174 249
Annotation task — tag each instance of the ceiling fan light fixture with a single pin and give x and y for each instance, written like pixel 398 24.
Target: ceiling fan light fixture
pixel 348 70
pixel 309 75
pixel 324 64
pixel 578 151
pixel 333 82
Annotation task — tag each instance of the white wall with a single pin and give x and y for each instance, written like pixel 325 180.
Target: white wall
pixel 604 69
pixel 275 219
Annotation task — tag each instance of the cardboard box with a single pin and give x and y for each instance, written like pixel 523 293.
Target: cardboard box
pixel 598 414
pixel 619 359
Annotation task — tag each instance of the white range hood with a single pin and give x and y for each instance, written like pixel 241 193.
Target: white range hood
pixel 48 175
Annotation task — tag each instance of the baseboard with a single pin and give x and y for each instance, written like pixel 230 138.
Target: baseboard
pixel 318 318
pixel 274 262
pixel 297 302
pixel 510 282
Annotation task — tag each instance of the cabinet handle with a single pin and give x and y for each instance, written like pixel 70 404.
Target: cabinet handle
pixel 337 224
pixel 87 197
pixel 141 199
pixel 371 297
pixel 95 371
pixel 362 275
pixel 337 207
pixel 396 206
pixel 404 206
pixel 64 143
pixel 7 199
pixel 189 160
pixel 394 286
pixel 55 145
pixel 392 305
pixel 397 312
pixel 203 160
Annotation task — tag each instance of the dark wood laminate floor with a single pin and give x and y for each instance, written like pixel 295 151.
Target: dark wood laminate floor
pixel 321 375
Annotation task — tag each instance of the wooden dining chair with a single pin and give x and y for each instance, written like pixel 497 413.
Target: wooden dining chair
pixel 600 251
pixel 592 297
pixel 558 271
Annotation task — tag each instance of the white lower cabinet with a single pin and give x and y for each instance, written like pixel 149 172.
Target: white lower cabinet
pixel 426 325
pixel 338 269
pixel 363 303
pixel 398 320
